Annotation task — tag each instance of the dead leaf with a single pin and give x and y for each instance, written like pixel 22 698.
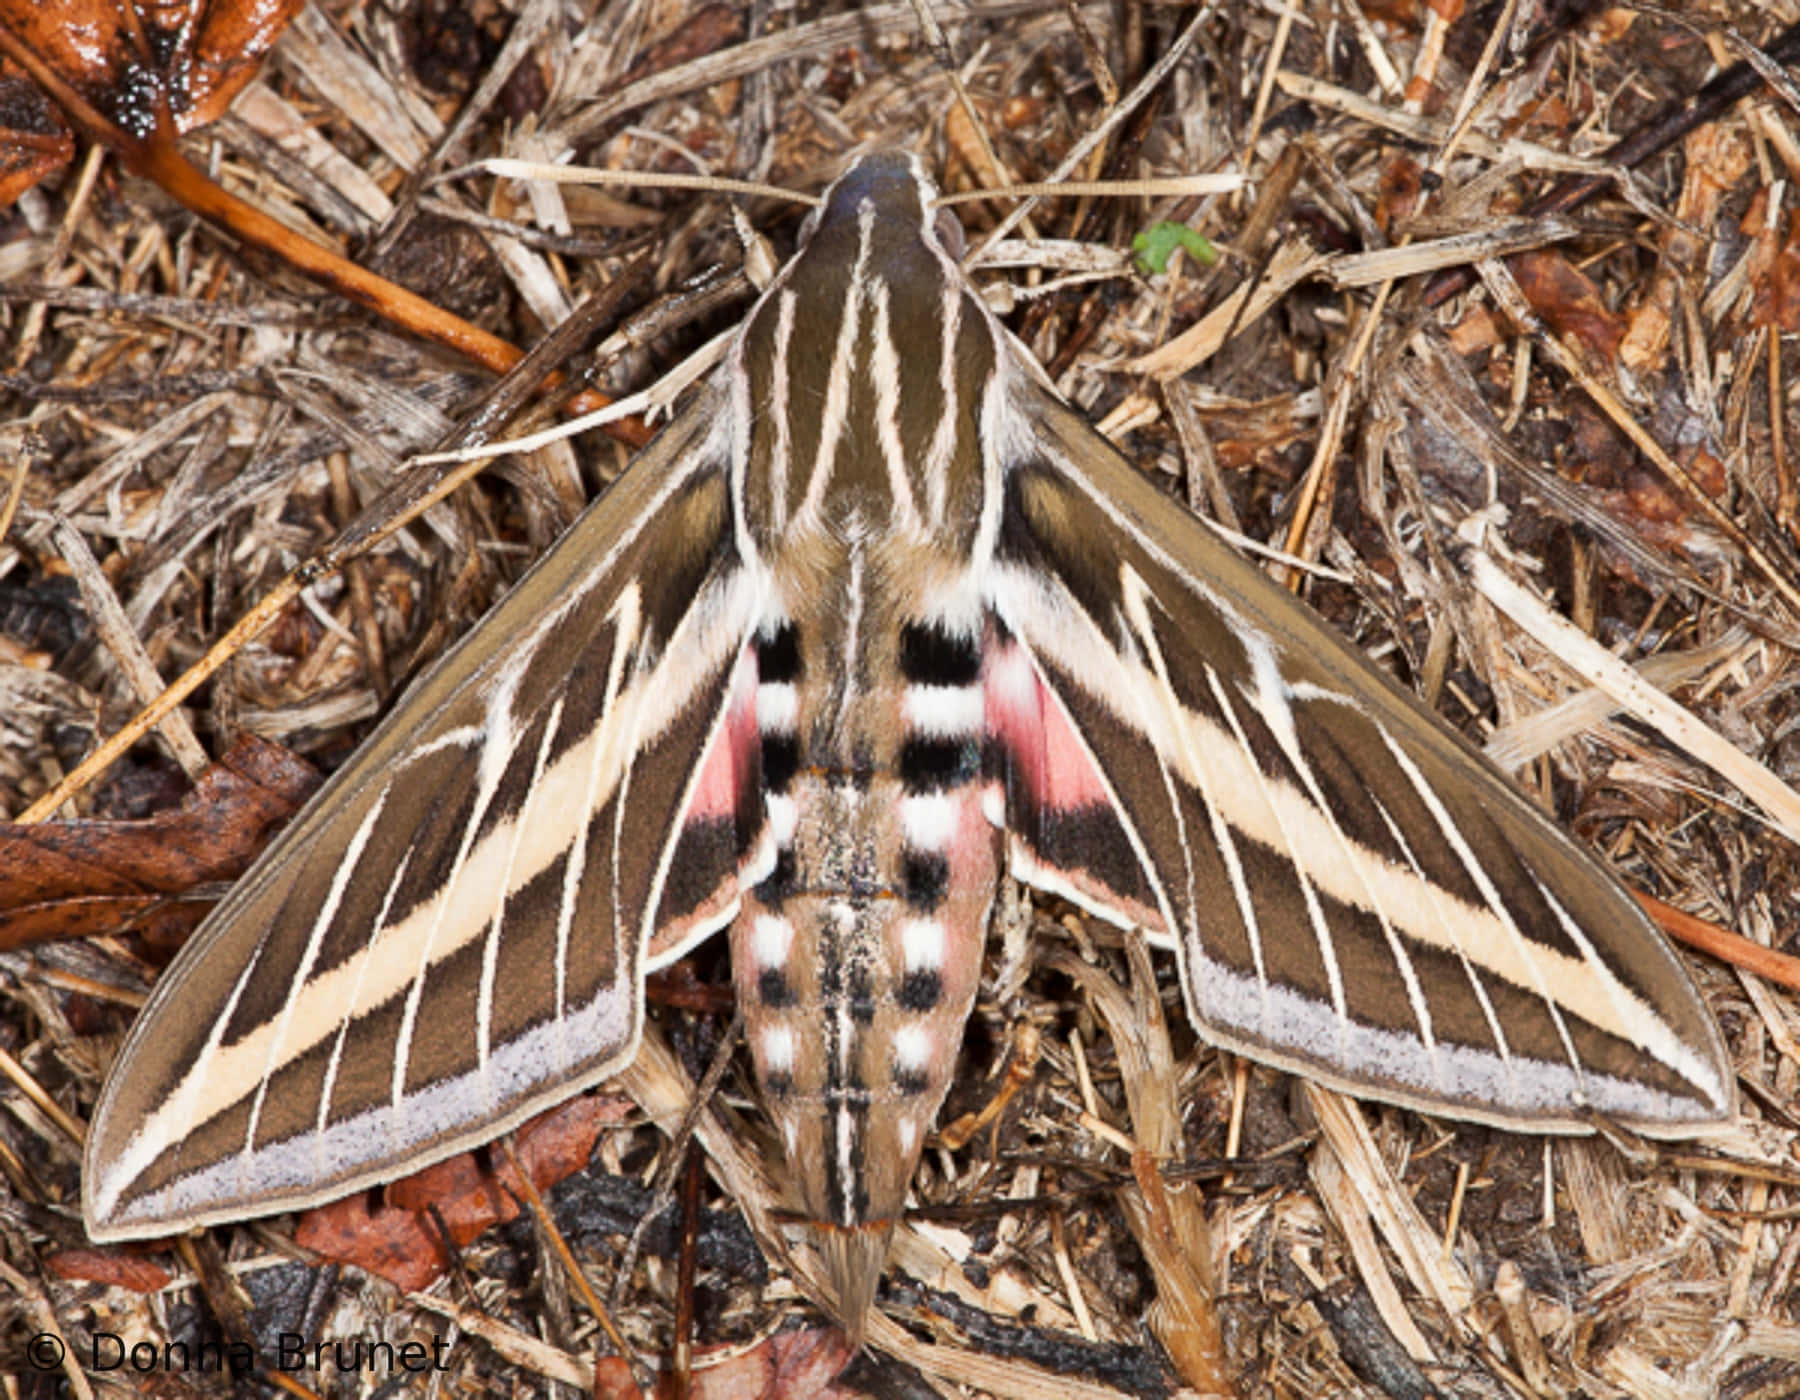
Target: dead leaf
pixel 33 140
pixel 1777 299
pixel 798 1365
pixel 114 1267
pixel 613 1380
pixel 398 1238
pixel 1568 299
pixel 194 55
pixel 73 879
pixel 1402 189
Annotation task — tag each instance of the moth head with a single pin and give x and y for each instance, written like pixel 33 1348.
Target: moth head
pixel 891 185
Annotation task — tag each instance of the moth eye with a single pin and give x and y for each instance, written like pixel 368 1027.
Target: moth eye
pixel 949 231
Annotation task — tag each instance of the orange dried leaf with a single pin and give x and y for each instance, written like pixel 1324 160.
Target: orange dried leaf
pixel 1565 297
pixel 800 1365
pixel 613 1380
pixel 1403 15
pixel 403 1246
pixel 400 1240
pixel 467 1194
pixel 1478 330
pixel 33 140
pixel 1402 184
pixel 71 879
pixel 114 1268
pixel 132 64
pixel 162 921
pixel 1777 298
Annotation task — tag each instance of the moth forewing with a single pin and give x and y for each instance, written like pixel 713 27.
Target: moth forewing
pixel 446 940
pixel 1357 894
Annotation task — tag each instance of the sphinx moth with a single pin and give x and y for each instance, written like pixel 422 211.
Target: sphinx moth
pixel 876 620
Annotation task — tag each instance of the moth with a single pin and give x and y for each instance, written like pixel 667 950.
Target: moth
pixel 877 620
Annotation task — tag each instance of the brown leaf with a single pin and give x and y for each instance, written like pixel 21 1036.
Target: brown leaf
pixel 800 1365
pixel 398 1238
pixel 1777 298
pixel 113 1267
pixel 33 139
pixel 1397 14
pixel 613 1379
pixel 71 879
pixel 1402 188
pixel 677 986
pixel 1568 299
pixel 132 64
pixel 403 1246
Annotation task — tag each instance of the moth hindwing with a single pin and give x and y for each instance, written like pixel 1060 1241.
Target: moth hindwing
pixel 876 619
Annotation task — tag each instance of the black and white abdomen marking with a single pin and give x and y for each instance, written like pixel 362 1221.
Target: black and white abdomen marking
pixel 858 947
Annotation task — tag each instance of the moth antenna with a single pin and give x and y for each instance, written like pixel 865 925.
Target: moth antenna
pixel 1153 187
pixel 508 168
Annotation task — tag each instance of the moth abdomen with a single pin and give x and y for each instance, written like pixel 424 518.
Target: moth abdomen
pixel 856 984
